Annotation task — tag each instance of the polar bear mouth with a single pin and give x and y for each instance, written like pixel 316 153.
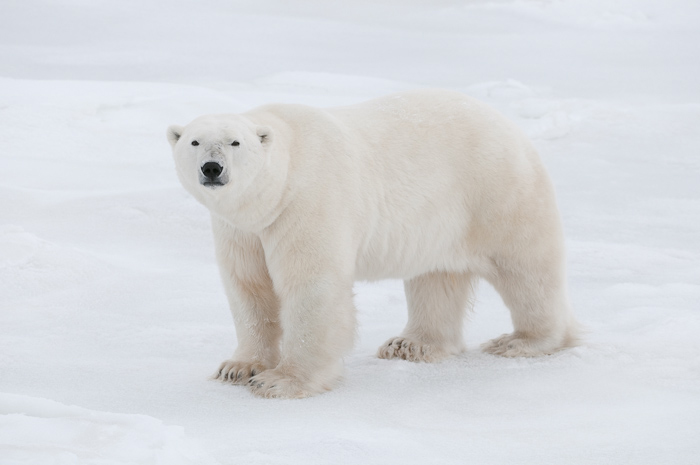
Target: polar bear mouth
pixel 212 183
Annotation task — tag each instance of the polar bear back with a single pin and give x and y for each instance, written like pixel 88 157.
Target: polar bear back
pixel 422 180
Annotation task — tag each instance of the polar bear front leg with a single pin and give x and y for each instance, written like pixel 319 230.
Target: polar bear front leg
pixel 437 303
pixel 318 321
pixel 253 302
pixel 317 317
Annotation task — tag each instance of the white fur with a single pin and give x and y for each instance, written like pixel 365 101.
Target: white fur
pixel 431 187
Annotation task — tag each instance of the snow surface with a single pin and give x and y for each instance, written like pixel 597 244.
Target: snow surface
pixel 112 315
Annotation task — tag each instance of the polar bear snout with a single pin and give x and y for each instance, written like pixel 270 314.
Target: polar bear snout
pixel 211 174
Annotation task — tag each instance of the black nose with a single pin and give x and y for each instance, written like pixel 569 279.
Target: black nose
pixel 212 170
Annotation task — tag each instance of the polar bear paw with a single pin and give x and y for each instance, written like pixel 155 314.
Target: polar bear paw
pixel 517 345
pixel 238 372
pixel 276 384
pixel 407 349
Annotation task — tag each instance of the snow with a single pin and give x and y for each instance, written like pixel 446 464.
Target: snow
pixel 44 431
pixel 112 315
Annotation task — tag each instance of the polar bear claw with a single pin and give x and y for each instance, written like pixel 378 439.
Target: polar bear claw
pixel 412 351
pixel 276 384
pixel 238 372
pixel 519 345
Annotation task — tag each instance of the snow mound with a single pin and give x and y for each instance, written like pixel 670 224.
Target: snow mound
pixel 35 430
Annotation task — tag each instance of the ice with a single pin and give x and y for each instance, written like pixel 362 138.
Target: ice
pixel 112 316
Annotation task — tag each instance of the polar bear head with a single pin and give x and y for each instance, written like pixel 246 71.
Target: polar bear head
pixel 219 151
pixel 233 166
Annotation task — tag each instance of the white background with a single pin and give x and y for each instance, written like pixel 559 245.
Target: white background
pixel 112 315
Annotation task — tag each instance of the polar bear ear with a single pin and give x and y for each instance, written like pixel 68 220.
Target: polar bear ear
pixel 264 133
pixel 174 133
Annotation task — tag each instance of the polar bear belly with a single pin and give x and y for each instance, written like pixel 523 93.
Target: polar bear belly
pixel 398 245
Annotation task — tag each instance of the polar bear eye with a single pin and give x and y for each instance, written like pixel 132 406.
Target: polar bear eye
pixel 195 143
pixel 235 143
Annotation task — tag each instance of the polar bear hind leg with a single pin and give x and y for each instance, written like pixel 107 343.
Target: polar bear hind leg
pixel 437 303
pixel 539 307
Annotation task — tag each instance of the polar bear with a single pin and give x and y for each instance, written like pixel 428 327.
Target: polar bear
pixel 431 187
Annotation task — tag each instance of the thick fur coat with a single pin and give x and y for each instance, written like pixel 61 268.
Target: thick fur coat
pixel 430 187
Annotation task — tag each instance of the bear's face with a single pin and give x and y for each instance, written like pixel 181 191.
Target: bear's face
pixel 217 154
